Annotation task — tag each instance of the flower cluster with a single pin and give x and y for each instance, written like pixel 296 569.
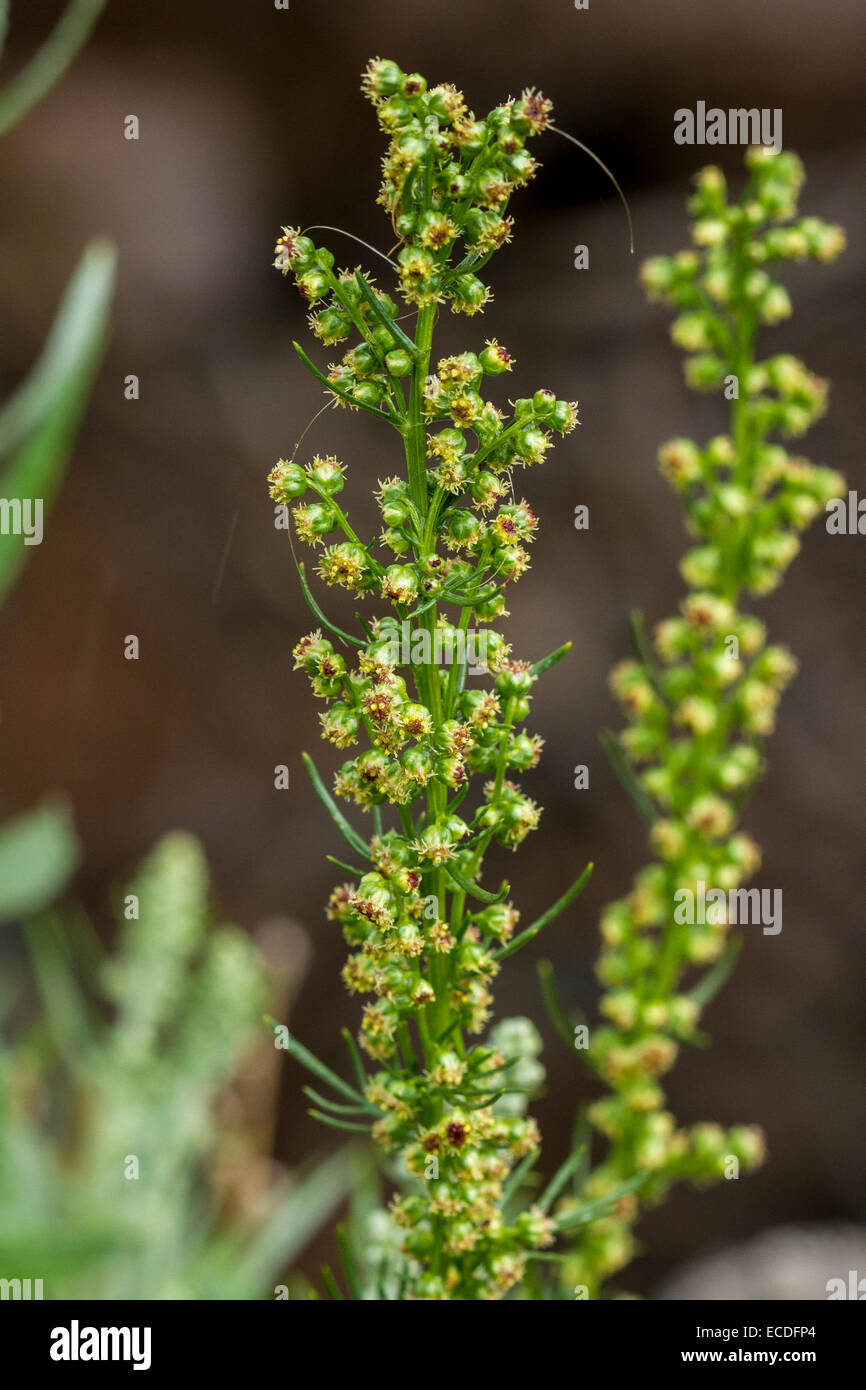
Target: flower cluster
pixel 425 936
pixel 702 696
pixel 448 178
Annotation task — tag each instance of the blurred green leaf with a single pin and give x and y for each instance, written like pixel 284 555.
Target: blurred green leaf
pixel 38 853
pixel 49 63
pixel 38 425
pixel 283 1234
pixel 53 1253
pixel 65 1008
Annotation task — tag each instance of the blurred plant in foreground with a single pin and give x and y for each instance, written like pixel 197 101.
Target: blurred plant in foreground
pixel 108 1138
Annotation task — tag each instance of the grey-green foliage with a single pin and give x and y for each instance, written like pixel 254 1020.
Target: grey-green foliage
pixel 86 1100
pixel 38 852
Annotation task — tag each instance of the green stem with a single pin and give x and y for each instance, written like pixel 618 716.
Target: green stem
pixel 416 439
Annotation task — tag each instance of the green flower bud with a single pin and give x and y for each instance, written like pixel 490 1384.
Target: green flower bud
pixel 398 362
pixel 700 567
pixel 495 359
pixel 287 481
pixel 293 251
pixel 705 371
pixel 313 520
pixel 400 584
pixel 514 680
pixel 468 294
pixel 331 325
pixel 381 78
pixel 313 285
pixel 328 473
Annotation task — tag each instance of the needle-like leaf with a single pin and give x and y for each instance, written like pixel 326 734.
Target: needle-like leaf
pixel 349 833
pixel 547 917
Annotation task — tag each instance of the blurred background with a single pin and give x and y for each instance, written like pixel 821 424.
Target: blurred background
pixel 251 117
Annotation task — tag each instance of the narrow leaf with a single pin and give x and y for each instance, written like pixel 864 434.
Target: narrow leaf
pixel 549 916
pixel 552 1003
pixel 354 1054
pixel 307 1059
pixel 42 422
pixel 290 1224
pixel 66 39
pixel 338 1124
pixel 332 1288
pixel 314 606
pixel 337 390
pixel 625 772
pixel 384 317
pixel 708 987
pixel 560 1178
pixel 517 1178
pixel 350 1269
pixel 546 662
pixel 348 831
pixel 590 1210
pixel 341 864
pixel 581 1138
pixel 643 651
pixel 335 1107
pixel 473 889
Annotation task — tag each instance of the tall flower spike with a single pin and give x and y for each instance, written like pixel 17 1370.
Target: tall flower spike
pixel 431 691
